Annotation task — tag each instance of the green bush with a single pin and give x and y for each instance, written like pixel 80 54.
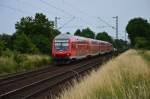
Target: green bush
pixel 2 46
pixel 7 65
pixel 22 62
pixel 142 43
pixel 23 44
pixel 8 53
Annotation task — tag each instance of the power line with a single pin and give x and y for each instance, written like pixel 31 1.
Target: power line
pixel 103 27
pixel 14 9
pixel 86 21
pixel 77 9
pixel 48 4
pixel 74 26
pixel 28 4
pixel 106 23
pixel 21 11
pixel 59 9
pixel 67 22
pixel 82 12
pixel 102 20
pixel 85 13
pixel 35 6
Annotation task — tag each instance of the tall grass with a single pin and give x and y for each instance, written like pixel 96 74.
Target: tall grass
pixel 22 62
pixel 146 55
pixel 125 77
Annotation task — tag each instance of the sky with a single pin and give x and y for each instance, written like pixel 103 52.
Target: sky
pixel 95 14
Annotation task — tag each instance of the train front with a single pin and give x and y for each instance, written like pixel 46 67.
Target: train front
pixel 61 49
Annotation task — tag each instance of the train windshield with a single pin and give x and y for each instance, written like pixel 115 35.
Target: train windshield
pixel 61 45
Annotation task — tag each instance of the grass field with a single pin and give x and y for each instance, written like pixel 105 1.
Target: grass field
pixel 125 77
pixel 22 62
pixel 145 55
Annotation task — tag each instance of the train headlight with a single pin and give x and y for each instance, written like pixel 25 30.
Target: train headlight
pixel 68 54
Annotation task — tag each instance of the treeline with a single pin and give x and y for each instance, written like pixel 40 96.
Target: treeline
pixel 33 35
pixel 139 33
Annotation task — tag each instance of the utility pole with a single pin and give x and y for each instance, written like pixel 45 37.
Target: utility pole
pixel 125 36
pixel 56 20
pixel 116 17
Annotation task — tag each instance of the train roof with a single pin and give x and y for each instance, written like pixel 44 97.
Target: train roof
pixel 68 36
pixel 63 36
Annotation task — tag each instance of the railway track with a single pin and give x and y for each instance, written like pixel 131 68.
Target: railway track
pixel 32 84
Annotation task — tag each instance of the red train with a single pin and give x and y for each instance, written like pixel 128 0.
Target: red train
pixel 67 47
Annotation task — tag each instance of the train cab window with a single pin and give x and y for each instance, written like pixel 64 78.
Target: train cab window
pixel 61 45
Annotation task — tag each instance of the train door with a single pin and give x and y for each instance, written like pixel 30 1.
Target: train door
pixel 73 49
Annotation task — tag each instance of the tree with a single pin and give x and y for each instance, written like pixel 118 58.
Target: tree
pixel 7 40
pixel 121 44
pixel 2 46
pixel 85 33
pixel 24 44
pixel 78 32
pixel 104 36
pixel 142 43
pixel 42 43
pixel 39 26
pixel 25 25
pixel 88 33
pixel 138 29
pixel 68 33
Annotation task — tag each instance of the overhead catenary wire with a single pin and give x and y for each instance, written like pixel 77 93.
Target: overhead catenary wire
pixel 48 4
pixel 22 11
pixel 59 9
pixel 14 9
pixel 67 22
pixel 76 8
pixel 74 26
pixel 81 12
pixel 99 18
pixel 109 25
pixel 64 11
pixel 85 13
pixel 33 6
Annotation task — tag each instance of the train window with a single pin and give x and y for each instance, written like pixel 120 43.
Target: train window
pixel 65 44
pixel 61 40
pixel 57 44
pixel 61 46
